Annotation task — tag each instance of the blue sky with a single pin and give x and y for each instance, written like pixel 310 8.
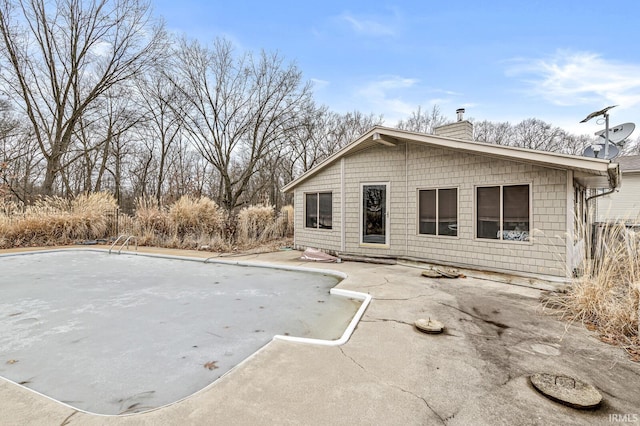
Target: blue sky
pixel 501 60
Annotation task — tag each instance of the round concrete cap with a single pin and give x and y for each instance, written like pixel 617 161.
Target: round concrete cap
pixel 430 273
pixel 566 390
pixel 429 326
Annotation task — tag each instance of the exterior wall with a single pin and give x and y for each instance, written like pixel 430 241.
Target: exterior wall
pixel 378 164
pixel 545 253
pixel 624 204
pixel 429 167
pixel 326 239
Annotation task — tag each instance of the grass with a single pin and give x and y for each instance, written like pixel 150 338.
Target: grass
pixel 605 297
pixel 189 223
pixel 253 222
pixel 56 221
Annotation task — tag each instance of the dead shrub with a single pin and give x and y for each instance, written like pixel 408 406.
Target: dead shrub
pixel 56 221
pixel 92 212
pixel 281 227
pixel 150 218
pixel 253 221
pixel 606 296
pixel 196 216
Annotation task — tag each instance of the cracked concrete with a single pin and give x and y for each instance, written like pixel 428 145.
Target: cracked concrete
pixel 389 373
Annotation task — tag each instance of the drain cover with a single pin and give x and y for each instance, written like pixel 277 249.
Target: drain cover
pixel 566 390
pixel 429 326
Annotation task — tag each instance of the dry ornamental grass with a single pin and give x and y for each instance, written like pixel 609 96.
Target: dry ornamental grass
pixel 606 295
pixel 55 221
pixel 189 223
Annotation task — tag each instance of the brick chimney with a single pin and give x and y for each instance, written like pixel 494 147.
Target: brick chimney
pixel 461 129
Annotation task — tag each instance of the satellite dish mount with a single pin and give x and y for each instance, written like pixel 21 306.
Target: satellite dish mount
pixel 605 113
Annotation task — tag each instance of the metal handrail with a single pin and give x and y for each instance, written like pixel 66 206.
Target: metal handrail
pixel 116 241
pixel 126 242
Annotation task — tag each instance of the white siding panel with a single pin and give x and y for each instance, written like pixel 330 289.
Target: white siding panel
pixel 624 204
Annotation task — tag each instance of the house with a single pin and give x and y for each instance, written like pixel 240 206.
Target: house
pixel 448 200
pixel 624 203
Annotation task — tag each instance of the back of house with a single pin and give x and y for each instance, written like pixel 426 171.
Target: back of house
pixel 448 200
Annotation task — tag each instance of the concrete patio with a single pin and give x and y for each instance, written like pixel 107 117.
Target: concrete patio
pixel 390 374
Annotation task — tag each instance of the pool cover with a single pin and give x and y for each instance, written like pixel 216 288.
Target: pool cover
pixel 115 334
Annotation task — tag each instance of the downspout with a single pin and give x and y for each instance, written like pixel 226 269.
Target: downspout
pixel 610 191
pixel 614 180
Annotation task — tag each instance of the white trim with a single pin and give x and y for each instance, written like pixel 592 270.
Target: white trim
pixel 571 214
pixel 406 199
pixel 366 299
pixel 343 210
pixel 304 213
pixel 437 189
pixel 387 224
pixel 590 166
pixel 501 240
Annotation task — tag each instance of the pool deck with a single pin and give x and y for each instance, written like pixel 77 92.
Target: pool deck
pixel 389 373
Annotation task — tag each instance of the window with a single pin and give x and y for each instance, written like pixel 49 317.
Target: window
pixel 318 210
pixel 503 212
pixel 438 212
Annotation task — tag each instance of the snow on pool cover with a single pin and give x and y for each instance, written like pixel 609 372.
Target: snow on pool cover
pixel 115 334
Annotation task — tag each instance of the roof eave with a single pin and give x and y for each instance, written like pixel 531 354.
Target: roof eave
pixel 591 166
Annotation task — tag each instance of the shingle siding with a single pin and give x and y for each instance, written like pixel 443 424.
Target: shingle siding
pixel 327 239
pixel 429 167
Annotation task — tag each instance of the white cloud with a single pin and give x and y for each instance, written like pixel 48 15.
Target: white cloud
pixel 386 95
pixel 580 78
pixel 367 26
pixel 102 48
pixel 397 97
pixel 319 84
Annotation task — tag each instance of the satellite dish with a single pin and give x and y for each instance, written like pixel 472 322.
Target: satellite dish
pixel 597 151
pixel 617 133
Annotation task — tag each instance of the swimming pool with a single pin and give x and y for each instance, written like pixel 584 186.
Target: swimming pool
pixel 116 334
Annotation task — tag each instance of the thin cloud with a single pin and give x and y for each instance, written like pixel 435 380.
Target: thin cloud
pixel 386 95
pixel 368 26
pixel 319 84
pixel 579 78
pixel 396 97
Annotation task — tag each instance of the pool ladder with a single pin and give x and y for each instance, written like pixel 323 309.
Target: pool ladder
pixel 126 239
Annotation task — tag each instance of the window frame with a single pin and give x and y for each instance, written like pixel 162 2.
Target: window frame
pixel 501 240
pixel 386 243
pixel 437 197
pixel 317 194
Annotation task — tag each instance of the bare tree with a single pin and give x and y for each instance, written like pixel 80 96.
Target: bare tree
pixel 631 147
pixel 18 156
pixel 422 121
pixel 322 133
pixel 60 56
pixel 492 132
pixel 112 116
pixel 536 134
pixel 531 133
pixel 239 110
pixel 160 101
